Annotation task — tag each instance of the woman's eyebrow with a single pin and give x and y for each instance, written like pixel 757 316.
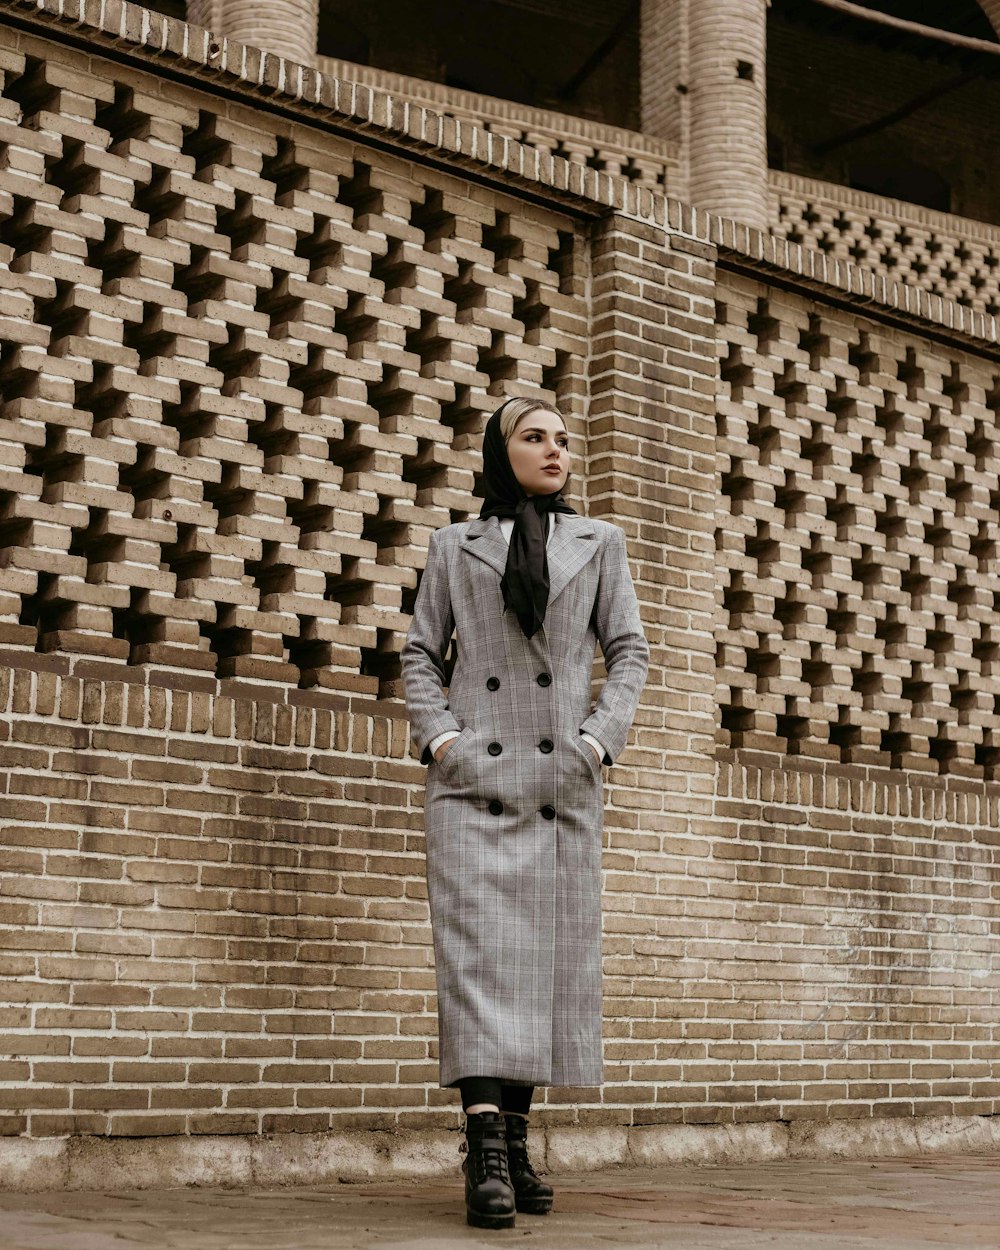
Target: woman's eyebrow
pixel 535 430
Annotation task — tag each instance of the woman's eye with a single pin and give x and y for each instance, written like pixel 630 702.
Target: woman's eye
pixel 534 438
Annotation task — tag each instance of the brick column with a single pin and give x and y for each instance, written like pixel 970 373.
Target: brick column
pixel 726 143
pixel 287 27
pixel 663 69
pixel 992 10
pixel 207 13
pixel 654 374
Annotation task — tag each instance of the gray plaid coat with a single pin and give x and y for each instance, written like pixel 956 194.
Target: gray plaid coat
pixel 513 812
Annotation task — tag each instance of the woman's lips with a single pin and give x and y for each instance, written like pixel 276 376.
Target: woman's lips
pixel 554 472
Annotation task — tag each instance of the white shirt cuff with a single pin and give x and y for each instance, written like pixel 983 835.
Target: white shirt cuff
pixel 434 743
pixel 449 734
pixel 595 744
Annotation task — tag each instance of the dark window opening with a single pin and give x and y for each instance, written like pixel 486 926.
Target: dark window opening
pixel 902 180
pixel 169 8
pixel 580 58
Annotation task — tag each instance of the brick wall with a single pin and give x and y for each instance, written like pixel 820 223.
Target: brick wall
pixel 248 360
pixel 214 916
pixel 860 942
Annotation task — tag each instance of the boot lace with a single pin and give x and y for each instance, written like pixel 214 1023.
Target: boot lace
pixel 517 1152
pixel 486 1159
pixel 519 1159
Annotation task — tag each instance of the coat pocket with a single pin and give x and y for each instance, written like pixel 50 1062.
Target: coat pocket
pixel 591 761
pixel 448 764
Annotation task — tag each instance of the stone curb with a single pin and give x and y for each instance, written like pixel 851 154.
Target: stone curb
pixel 95 1163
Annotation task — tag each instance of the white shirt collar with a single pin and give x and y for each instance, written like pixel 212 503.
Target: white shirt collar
pixel 507 527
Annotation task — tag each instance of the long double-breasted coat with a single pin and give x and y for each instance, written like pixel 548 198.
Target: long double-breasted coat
pixel 514 809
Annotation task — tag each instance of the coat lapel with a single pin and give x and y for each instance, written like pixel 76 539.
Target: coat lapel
pixel 485 540
pixel 573 544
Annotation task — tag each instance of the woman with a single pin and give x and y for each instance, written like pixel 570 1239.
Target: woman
pixel 514 804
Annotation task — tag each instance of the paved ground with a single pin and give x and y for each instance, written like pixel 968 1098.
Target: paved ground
pixel 888 1204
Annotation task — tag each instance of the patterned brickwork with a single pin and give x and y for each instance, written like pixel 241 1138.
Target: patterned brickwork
pixel 245 378
pixel 937 252
pixel 646 159
pixel 859 535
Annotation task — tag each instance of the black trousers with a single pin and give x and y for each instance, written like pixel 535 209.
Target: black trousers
pixel 513 1098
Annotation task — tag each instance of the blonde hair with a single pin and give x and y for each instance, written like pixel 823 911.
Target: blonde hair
pixel 516 409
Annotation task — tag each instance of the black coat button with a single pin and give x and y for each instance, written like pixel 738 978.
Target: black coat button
pixel 544 679
pixel 545 746
pixel 548 811
pixel 496 808
pixel 492 683
pixel 494 748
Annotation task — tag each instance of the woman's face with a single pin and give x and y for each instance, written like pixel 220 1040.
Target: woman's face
pixel 538 451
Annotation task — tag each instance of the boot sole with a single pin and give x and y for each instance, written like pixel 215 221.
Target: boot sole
pixel 538 1206
pixel 489 1221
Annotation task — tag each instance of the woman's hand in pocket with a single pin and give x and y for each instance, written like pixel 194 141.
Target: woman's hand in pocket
pixel 443 749
pixel 594 747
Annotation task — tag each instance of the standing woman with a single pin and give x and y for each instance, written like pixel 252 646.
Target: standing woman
pixel 514 800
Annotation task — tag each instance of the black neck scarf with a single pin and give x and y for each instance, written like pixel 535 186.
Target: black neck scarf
pixel 525 583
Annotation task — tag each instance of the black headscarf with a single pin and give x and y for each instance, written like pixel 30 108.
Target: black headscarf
pixel 525 582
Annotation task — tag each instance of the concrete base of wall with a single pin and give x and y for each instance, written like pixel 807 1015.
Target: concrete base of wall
pixel 101 1163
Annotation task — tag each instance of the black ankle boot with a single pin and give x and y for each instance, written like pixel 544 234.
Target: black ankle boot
pixel 532 1195
pixel 489 1199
